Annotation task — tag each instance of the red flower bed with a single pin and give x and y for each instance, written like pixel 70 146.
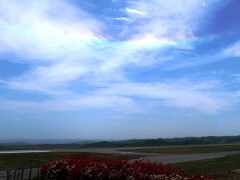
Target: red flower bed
pixel 95 168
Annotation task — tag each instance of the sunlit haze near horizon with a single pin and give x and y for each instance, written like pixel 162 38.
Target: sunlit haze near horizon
pixel 119 69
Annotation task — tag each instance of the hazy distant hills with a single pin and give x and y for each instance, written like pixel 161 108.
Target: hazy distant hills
pixel 73 143
pixel 168 141
pixel 46 141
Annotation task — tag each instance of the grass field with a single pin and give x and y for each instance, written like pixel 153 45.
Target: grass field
pixel 9 161
pixel 219 167
pixel 188 150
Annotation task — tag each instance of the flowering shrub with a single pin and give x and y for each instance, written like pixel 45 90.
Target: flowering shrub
pixel 98 168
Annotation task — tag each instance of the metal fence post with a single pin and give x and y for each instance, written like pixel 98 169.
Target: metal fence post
pixel 14 177
pixel 30 170
pixel 22 173
pixel 8 173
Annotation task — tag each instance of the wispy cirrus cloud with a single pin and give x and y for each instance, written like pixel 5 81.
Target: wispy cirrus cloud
pixel 202 97
pixel 39 30
pixel 233 50
pixel 69 101
pixel 135 11
pixel 73 47
pixel 168 19
pixel 188 95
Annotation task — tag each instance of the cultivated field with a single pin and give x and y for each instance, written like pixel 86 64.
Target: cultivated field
pixel 217 167
pixel 187 150
pixel 9 161
pixel 214 160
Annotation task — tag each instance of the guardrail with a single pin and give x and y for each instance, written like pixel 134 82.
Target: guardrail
pixel 28 170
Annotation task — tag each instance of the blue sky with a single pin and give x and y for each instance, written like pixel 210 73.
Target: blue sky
pixel 119 69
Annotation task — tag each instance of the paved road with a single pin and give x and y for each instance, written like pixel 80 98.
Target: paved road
pixel 163 158
pixel 23 151
pixel 177 158
pixel 155 157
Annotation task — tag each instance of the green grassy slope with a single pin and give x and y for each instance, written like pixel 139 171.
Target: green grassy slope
pixel 189 150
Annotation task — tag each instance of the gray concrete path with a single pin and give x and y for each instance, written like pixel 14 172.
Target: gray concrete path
pixel 156 157
pixel 177 158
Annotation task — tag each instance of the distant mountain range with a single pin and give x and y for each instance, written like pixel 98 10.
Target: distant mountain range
pixel 46 141
pixel 78 143
pixel 167 141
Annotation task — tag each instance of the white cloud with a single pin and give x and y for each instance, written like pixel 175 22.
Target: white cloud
pixel 198 97
pixel 73 103
pixel 135 11
pixel 123 19
pixel 72 46
pixel 233 50
pixel 40 29
pixel 123 96
pixel 168 18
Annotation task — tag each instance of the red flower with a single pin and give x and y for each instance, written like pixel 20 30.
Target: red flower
pixel 97 168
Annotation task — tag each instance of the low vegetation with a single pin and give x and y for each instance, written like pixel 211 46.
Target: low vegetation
pixel 10 161
pixel 128 143
pixel 216 168
pixel 219 167
pixel 188 150
pixel 93 168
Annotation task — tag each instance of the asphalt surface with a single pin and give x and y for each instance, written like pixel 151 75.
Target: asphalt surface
pixel 155 157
